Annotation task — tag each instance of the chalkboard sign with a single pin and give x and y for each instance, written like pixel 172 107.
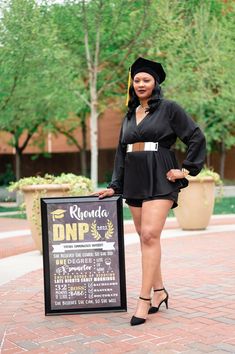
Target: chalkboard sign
pixel 83 255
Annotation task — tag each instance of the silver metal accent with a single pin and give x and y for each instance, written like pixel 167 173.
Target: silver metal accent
pixel 129 147
pixel 148 146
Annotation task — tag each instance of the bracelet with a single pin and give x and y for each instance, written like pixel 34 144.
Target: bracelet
pixel 185 171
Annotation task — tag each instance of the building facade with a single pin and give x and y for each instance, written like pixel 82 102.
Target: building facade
pixel 65 157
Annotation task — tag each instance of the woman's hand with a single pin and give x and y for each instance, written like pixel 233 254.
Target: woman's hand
pixel 174 174
pixel 109 192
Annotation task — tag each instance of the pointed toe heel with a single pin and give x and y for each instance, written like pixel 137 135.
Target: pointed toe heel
pixel 154 309
pixel 135 321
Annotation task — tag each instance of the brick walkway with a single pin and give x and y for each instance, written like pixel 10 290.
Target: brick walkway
pixel 199 276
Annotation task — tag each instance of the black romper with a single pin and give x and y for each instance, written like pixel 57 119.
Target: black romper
pixel 142 174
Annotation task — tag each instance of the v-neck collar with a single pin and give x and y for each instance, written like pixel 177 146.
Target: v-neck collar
pixel 137 124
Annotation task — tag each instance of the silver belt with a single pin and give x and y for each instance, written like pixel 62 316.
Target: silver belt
pixel 142 146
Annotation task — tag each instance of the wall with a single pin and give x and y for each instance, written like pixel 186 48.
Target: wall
pixel 60 162
pixel 65 157
pixel 70 162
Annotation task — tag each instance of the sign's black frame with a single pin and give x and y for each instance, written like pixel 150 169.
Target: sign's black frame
pixel 117 199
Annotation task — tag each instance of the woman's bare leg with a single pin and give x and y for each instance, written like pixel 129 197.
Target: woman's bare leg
pixel 136 215
pixel 153 218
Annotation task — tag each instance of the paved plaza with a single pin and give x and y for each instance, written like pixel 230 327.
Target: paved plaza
pixel 199 273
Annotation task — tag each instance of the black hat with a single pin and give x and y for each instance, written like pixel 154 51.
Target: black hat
pixel 148 66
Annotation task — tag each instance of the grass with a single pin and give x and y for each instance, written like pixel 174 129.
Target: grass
pixel 15 216
pixel 225 206
pixel 4 209
pixel 20 215
pixel 222 206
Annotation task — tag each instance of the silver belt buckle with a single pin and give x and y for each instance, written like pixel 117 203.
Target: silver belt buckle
pixel 151 146
pixel 129 148
pixel 148 146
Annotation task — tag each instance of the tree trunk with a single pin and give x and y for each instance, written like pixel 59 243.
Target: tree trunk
pixel 94 142
pixel 92 64
pixel 83 150
pixel 84 171
pixel 19 150
pixel 18 156
pixel 208 159
pixel 222 160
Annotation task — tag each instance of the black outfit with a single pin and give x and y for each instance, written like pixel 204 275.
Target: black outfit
pixel 141 175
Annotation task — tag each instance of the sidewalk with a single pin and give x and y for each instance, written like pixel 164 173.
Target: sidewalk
pixel 198 268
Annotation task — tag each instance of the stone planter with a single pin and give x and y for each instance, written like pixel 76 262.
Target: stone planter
pixel 196 203
pixel 32 195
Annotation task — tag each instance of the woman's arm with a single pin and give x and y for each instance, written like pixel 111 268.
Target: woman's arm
pixel 116 184
pixel 118 172
pixel 192 136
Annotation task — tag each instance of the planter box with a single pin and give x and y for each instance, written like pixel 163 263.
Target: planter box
pixel 32 195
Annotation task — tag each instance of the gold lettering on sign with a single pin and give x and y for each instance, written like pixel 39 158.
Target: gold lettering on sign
pixel 83 229
pixel 58 232
pixel 70 232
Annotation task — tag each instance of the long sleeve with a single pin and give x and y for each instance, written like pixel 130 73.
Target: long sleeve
pixel 191 135
pixel 118 171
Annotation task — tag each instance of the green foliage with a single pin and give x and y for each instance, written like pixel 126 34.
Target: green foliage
pixel 211 46
pixel 46 71
pixel 31 56
pixel 195 41
pixel 78 184
pixel 119 26
pixel 8 176
pixel 207 172
pixel 35 77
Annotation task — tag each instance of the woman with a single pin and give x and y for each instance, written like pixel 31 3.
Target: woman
pixel 147 174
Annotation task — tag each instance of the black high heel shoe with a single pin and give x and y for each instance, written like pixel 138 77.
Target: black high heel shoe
pixel 154 309
pixel 135 321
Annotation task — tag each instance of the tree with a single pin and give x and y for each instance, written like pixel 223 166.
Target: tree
pixel 33 73
pixel 210 45
pixel 68 128
pixel 101 36
pixel 195 43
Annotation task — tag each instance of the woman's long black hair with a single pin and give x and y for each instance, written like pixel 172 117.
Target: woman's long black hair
pixel 153 102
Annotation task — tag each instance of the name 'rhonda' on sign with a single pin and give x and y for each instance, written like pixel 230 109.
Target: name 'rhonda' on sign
pixel 75 212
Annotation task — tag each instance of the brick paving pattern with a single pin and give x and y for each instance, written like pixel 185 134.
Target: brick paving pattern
pixel 199 276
